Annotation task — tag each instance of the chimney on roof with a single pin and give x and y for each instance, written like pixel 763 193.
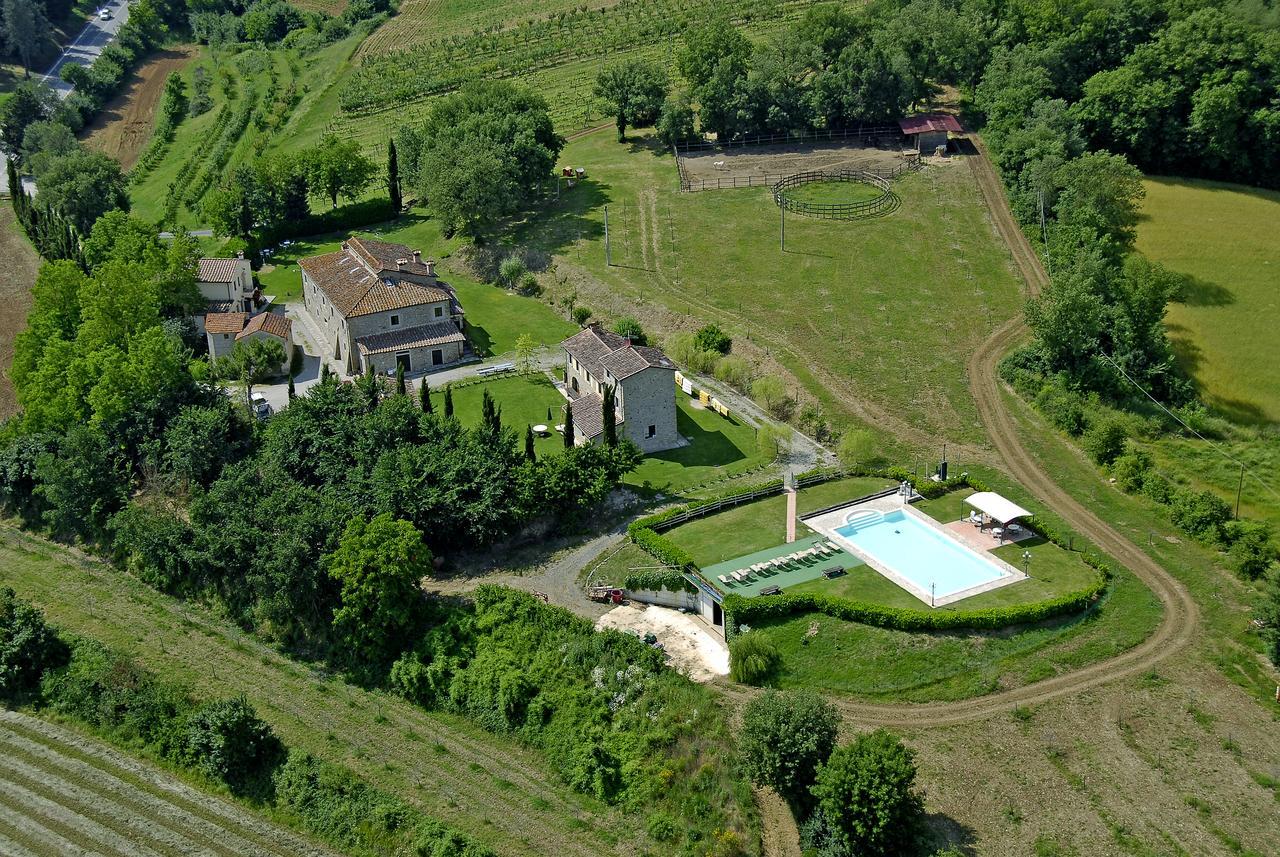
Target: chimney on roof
pixel 417 256
pixel 345 246
pixel 431 266
pixel 239 254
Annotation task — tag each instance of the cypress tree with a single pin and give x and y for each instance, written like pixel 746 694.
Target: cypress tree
pixel 324 371
pixel 371 380
pixel 528 444
pixel 393 178
pixel 448 401
pixel 490 415
pixel 400 378
pixel 424 397
pixel 292 393
pixel 568 427
pixel 610 416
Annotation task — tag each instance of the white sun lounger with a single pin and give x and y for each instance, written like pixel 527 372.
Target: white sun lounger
pixel 834 547
pixel 737 575
pixel 724 580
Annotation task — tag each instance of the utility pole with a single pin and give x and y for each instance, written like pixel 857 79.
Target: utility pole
pixel 608 261
pixel 1239 489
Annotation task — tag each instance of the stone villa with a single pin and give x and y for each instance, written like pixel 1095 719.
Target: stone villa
pixel 644 381
pixel 378 305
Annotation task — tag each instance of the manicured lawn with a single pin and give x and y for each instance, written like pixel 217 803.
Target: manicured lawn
pixel 524 400
pixel 762 524
pixel 1223 236
pixel 496 318
pixel 720 446
pixel 833 193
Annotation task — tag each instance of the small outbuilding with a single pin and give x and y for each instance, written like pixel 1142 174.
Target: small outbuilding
pixel 928 131
pixel 999 509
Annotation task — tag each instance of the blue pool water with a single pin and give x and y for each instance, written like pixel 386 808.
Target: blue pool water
pixel 920 553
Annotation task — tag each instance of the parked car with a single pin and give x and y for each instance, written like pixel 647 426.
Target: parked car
pixel 104 15
pixel 260 406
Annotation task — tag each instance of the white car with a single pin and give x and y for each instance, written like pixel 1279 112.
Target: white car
pixel 260 406
pixel 104 15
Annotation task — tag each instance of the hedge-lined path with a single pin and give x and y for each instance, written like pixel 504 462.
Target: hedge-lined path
pixel 1181 615
pixel 63 793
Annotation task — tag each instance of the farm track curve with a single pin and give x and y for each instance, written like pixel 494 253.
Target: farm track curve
pixel 1178 625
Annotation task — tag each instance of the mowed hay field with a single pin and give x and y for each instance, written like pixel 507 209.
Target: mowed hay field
pixel 123 127
pixel 1225 237
pixel 17 275
pixel 62 793
pixel 875 318
pixel 486 785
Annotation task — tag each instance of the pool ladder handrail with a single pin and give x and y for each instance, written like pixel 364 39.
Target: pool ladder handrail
pixel 863 516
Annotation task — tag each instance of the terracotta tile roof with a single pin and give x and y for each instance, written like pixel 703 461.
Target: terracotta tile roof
pixel 272 323
pixel 354 289
pixel 385 256
pixel 588 415
pixel 224 322
pixel 930 122
pixel 423 336
pixel 598 349
pixel 216 270
pixel 217 306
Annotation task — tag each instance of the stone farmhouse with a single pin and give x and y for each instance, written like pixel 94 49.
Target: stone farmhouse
pixel 224 329
pixel 378 305
pixel 644 389
pixel 226 286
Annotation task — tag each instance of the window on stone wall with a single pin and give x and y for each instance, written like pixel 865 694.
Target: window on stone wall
pixel 395 320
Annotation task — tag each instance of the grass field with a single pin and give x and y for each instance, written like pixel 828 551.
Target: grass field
pixel 874 317
pixel 525 401
pixel 485 784
pixel 17 276
pixel 62 793
pixel 496 318
pixel 1224 328
pixel 833 193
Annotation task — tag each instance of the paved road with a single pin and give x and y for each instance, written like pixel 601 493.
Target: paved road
pixel 86 48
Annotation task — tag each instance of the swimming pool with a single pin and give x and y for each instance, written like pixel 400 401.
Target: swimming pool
pixel 920 558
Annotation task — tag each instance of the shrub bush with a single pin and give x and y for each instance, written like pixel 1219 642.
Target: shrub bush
pixel 1200 514
pixel 628 326
pixel 712 338
pixel 1063 408
pixel 735 371
pixel 785 738
pixel 753 658
pixel 664 550
pixel 684 351
pixel 1252 549
pixel 1105 438
pixel 1131 469
pixel 866 792
pixel 658 580
pixel 28 646
pixel 771 394
pixel 229 742
pixel 581 315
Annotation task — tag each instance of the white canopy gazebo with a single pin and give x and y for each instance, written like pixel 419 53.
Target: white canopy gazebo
pixel 997 508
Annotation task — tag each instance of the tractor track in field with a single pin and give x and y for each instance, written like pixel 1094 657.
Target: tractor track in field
pixel 1178 625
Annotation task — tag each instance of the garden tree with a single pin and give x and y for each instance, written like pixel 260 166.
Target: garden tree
pixel 174 100
pixel 229 742
pixel 251 362
pixel 581 315
pixel 482 154
pixel 18 456
pixel 45 141
pixel 292 392
pixel 393 178
pixel 490 415
pixel 711 338
pixel 571 485
pixel 379 564
pixel 774 97
pixel 831 29
pixel 630 328
pixel 510 271
pixel 448 400
pixel 82 484
pixel 720 99
pixel 28 646
pixel 83 186
pixel 25 27
pixel 1252 550
pixel 865 794
pixel 715 43
pixel 230 208
pixel 54 316
pixel 609 415
pixel 424 396
pixel 866 83
pixel 771 394
pixel 633 91
pixel 785 737
pixel 202 439
pixel 569 432
pixel 337 167
pixel 676 122
pixel 856 447
pixel 284 188
pixel 528 444
pixel 1101 192
pixel 1105 439
pixel 525 346
pixel 400 390
pixel 753 658
pixel 30 102
pixel 269 22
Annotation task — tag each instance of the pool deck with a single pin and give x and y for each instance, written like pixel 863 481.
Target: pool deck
pixel 782 578
pixel 827 524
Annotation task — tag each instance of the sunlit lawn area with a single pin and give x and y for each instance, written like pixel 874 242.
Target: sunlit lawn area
pixel 496 318
pixel 761 524
pixel 525 401
pixel 720 447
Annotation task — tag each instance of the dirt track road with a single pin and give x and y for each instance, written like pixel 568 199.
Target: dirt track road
pixel 1178 627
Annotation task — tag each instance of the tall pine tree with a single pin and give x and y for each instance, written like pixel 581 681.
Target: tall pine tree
pixel 448 401
pixel 568 427
pixel 393 177
pixel 424 396
pixel 610 416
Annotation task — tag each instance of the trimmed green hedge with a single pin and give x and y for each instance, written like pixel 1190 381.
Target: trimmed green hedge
pixel 660 548
pixel 659 579
pixel 739 610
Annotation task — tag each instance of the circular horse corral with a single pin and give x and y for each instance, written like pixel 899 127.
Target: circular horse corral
pixel 836 194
